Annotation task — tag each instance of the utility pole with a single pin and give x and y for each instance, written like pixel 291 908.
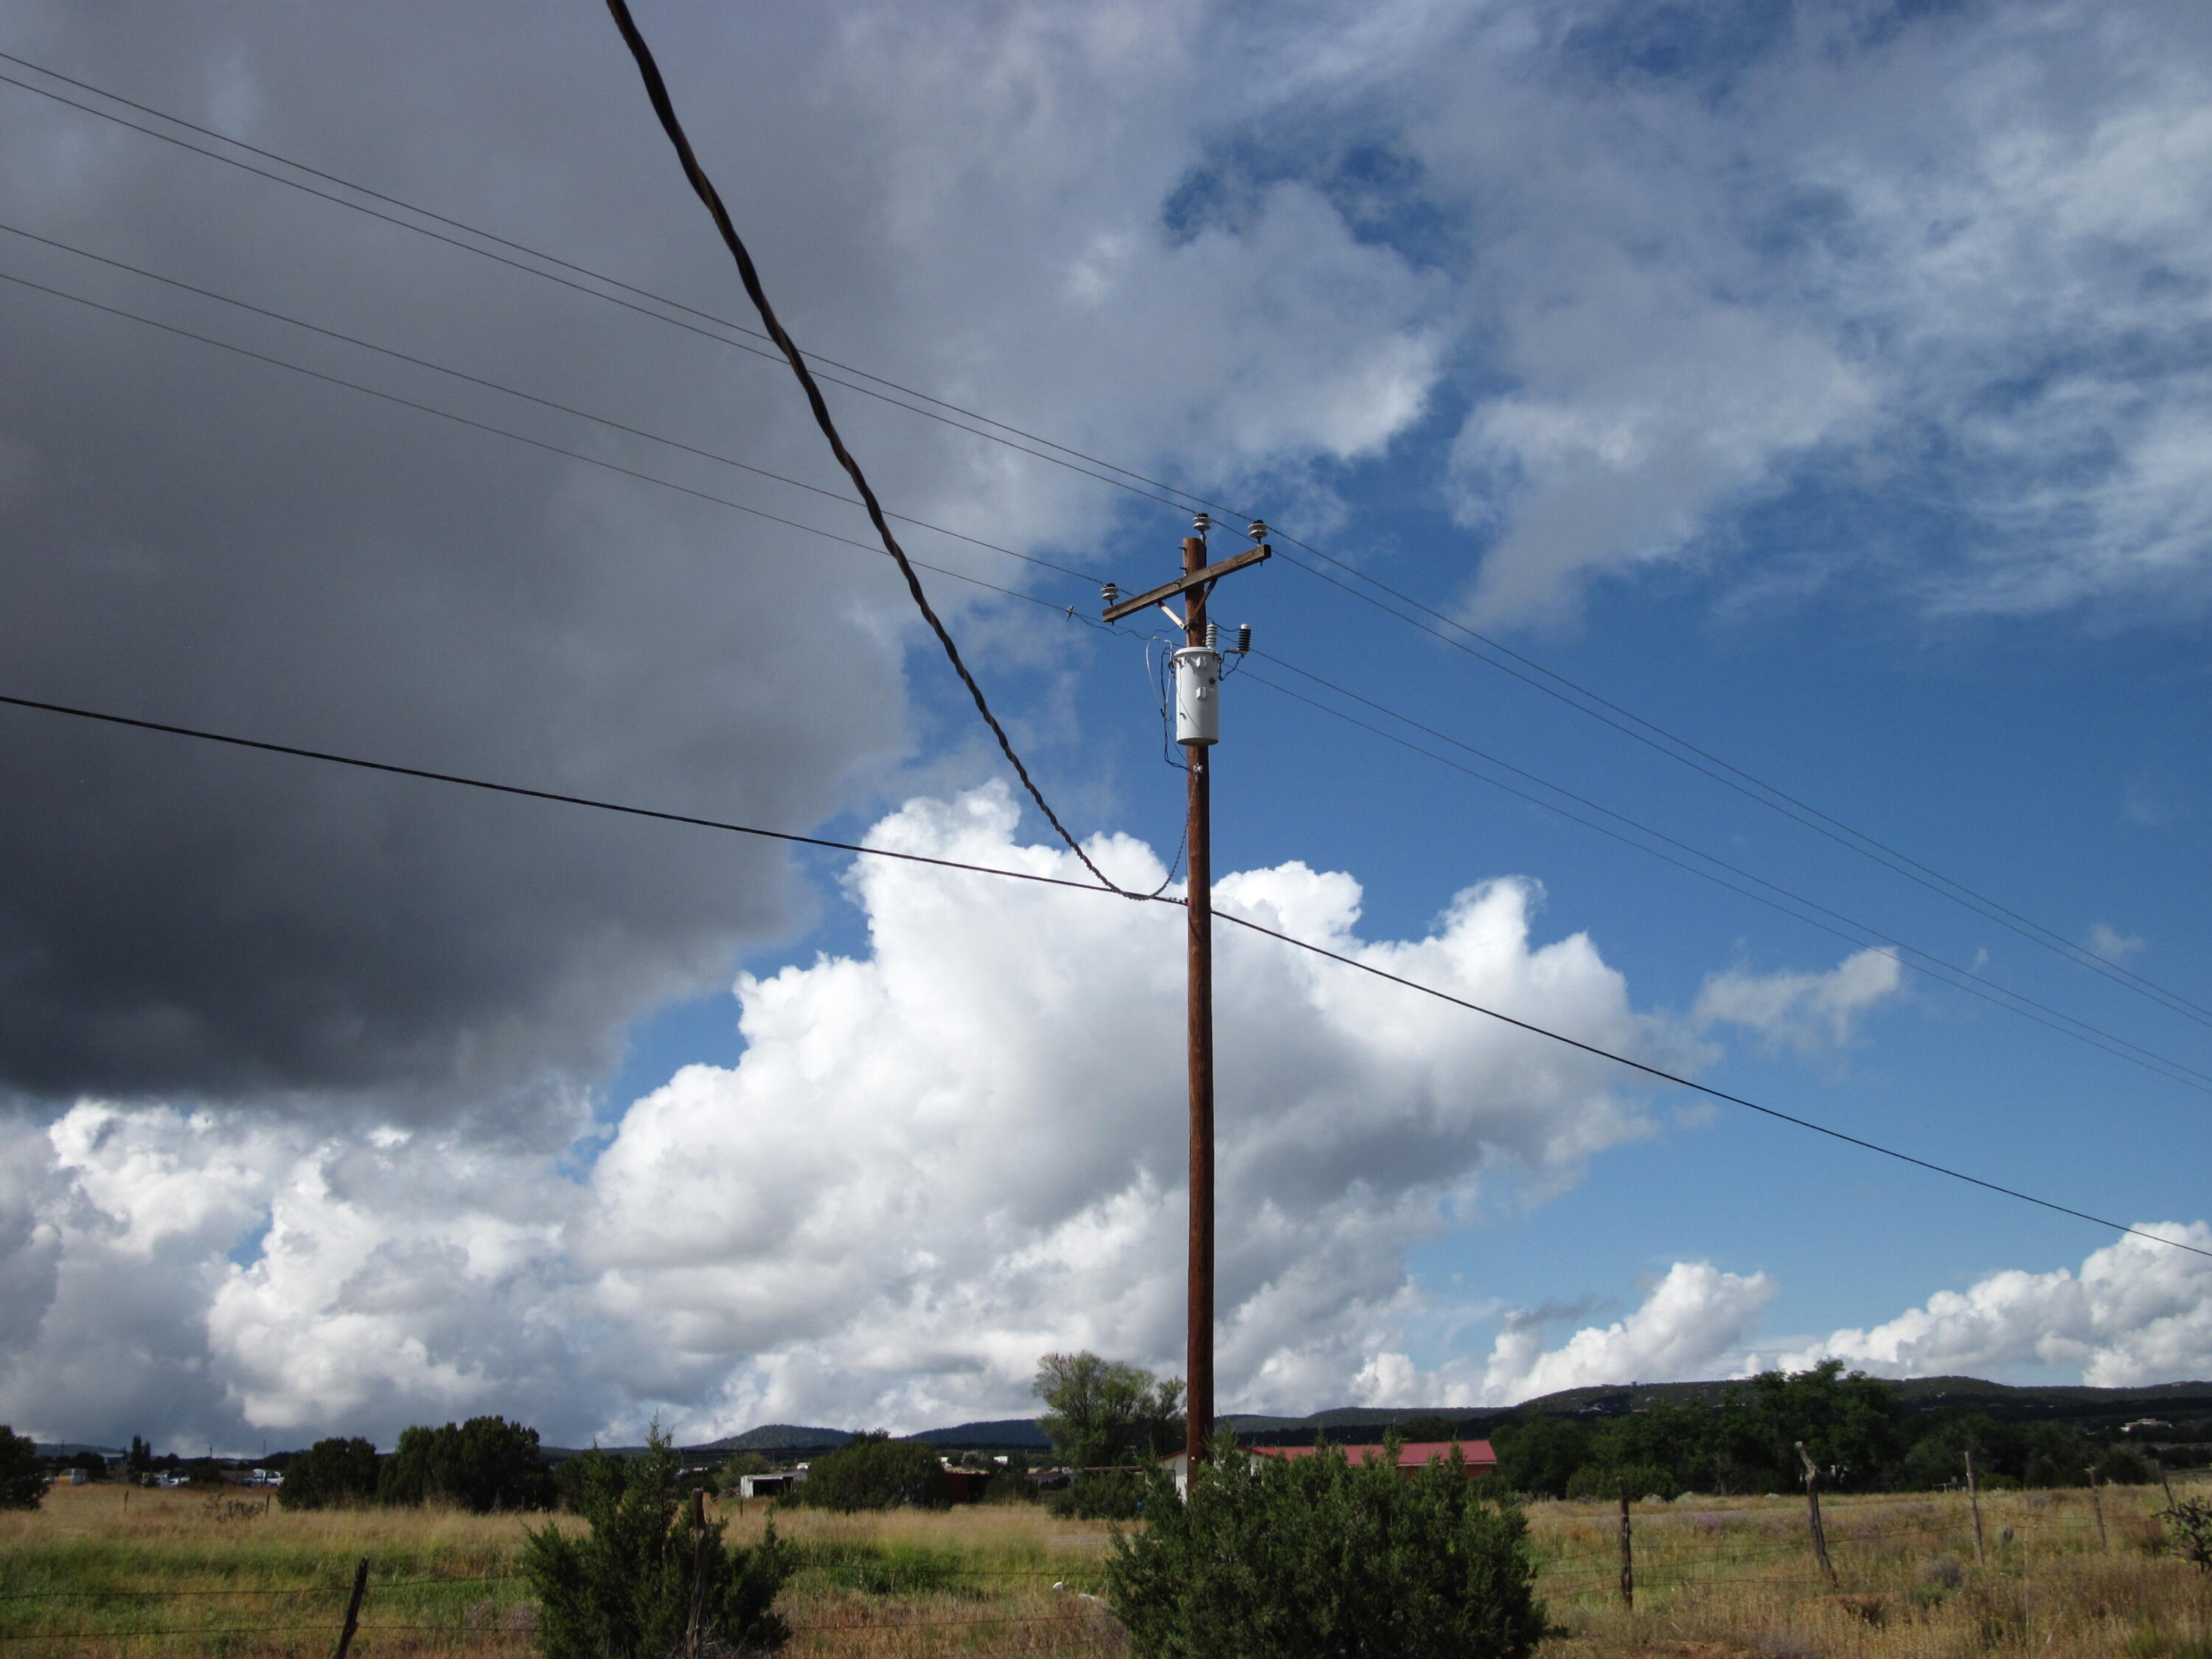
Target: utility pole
pixel 1198 728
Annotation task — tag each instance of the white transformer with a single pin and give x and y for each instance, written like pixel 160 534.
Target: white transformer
pixel 1197 695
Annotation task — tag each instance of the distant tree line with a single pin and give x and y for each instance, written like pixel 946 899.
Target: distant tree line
pixel 484 1464
pixel 1853 1427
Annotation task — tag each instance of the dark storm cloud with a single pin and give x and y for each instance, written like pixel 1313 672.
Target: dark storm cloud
pixel 190 537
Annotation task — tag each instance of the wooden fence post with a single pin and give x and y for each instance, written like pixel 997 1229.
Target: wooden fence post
pixel 1974 1501
pixel 2097 1504
pixel 1812 1508
pixel 1627 1555
pixel 693 1634
pixel 353 1608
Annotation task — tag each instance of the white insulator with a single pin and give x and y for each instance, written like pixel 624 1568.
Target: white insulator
pixel 1197 695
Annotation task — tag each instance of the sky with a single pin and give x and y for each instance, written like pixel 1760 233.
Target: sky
pixel 1741 487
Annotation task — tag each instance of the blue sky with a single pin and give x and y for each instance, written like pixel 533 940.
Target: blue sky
pixel 1822 384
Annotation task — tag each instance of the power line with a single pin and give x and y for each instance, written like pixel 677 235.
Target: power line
pixel 2159 1065
pixel 792 838
pixel 1702 1087
pixel 657 91
pixel 1989 909
pixel 1959 978
pixel 1782 801
pixel 429 776
pixel 521 438
pixel 527 397
pixel 1061 459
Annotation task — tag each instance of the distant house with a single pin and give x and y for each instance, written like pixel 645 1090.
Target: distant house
pixel 770 1485
pixel 1413 1457
pixel 964 1485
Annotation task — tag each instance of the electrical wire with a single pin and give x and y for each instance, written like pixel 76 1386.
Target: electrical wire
pixel 167 728
pixel 523 437
pixel 1989 909
pixel 527 397
pixel 1782 801
pixel 657 91
pixel 556 796
pixel 1664 1075
pixel 582 270
pixel 2098 1038
pixel 1930 964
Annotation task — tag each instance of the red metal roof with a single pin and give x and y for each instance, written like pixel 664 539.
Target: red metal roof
pixel 1416 1454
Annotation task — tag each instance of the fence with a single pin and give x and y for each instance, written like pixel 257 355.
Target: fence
pixel 349 1627
pixel 1648 1556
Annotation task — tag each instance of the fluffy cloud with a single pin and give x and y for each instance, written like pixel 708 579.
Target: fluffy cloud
pixel 1943 275
pixel 2137 1311
pixel 1695 1321
pixel 279 557
pixel 1689 1322
pixel 933 1162
pixel 2109 942
pixel 1800 1010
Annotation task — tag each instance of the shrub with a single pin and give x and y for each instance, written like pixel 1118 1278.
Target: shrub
pixel 22 1474
pixel 1010 1483
pixel 625 1592
pixel 1106 1495
pixel 1644 1480
pixel 2190 1526
pixel 874 1472
pixel 576 1479
pixel 329 1473
pixel 2124 1465
pixel 486 1463
pixel 1271 1558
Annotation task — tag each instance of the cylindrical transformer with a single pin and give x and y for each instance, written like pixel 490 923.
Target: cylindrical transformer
pixel 1197 695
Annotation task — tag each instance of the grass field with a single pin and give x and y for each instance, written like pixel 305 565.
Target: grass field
pixel 165 1573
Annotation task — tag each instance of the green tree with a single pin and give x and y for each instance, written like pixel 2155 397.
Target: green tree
pixel 1850 1425
pixel 1433 1427
pixel 1011 1482
pixel 1940 1442
pixel 874 1472
pixel 484 1464
pixel 23 1472
pixel 1100 1414
pixel 1539 1454
pixel 1603 1481
pixel 625 1591
pixel 142 1456
pixel 330 1475
pixel 1312 1558
pixel 580 1480
pixel 1671 1436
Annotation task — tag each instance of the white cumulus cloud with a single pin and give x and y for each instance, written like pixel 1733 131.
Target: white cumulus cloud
pixel 1800 1010
pixel 935 1160
pixel 2137 1311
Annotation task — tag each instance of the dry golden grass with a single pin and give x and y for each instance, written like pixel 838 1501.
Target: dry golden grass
pixel 176 1573
pixel 1718 1577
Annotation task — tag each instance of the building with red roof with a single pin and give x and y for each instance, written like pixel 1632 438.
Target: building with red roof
pixel 1413 1457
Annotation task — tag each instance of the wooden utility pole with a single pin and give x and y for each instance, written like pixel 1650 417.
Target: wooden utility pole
pixel 1198 1335
pixel 1197 695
